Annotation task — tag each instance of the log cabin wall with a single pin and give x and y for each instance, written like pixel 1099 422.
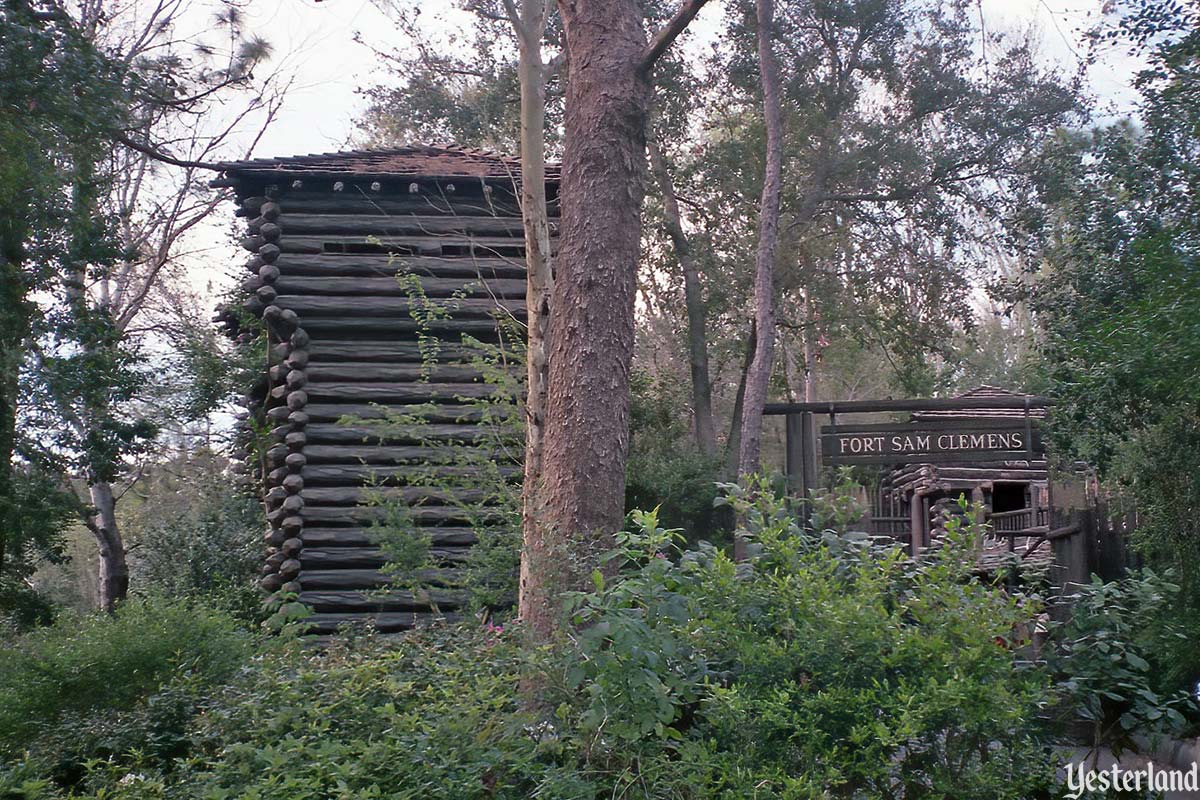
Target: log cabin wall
pixel 328 235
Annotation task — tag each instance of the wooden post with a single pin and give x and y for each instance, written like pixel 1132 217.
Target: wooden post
pixel 914 533
pixel 801 461
pixel 797 483
pixel 1074 554
pixel 1110 544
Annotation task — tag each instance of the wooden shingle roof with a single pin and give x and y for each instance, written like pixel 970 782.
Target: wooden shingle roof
pixel 411 161
pixel 980 393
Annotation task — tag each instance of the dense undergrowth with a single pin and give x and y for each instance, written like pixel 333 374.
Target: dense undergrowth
pixel 831 667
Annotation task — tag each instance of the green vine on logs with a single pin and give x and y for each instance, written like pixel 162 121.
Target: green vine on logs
pixel 477 474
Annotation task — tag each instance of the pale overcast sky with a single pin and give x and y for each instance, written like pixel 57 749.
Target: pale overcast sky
pixel 316 41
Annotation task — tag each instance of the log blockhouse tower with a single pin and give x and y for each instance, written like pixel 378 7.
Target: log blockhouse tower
pixel 328 235
pixel 914 500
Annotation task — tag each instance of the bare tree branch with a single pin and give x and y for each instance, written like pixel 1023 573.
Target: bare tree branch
pixel 668 33
pixel 145 149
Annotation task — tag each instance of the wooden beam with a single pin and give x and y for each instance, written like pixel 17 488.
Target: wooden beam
pixel 356 474
pixel 400 224
pixel 384 622
pixel 396 392
pixel 486 246
pixel 355 495
pixel 327 433
pixel 320 558
pixel 387 286
pixel 439 536
pixel 374 327
pixel 441 412
pixel 382 264
pixel 390 351
pixel 342 579
pixel 349 600
pixel 392 306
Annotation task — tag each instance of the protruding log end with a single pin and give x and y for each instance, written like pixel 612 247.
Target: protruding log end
pixel 270 231
pixel 297 400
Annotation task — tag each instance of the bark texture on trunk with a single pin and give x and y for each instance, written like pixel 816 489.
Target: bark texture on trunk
pixel 114 571
pixel 733 443
pixel 530 25
pixel 759 374
pixel 810 349
pixel 591 331
pixel 693 294
pixel 14 327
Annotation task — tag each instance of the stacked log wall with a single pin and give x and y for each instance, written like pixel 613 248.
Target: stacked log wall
pixel 343 343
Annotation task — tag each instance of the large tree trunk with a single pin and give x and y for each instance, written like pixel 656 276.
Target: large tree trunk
pixel 14 327
pixel 530 26
pixel 810 349
pixel 693 295
pixel 591 332
pixel 759 375
pixel 114 572
pixel 733 443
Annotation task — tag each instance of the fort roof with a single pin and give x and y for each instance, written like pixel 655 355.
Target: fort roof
pixel 410 161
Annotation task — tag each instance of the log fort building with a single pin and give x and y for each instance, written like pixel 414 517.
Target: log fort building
pixel 329 234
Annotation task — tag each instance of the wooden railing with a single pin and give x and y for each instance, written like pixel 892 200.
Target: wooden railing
pixel 899 527
pixel 1019 520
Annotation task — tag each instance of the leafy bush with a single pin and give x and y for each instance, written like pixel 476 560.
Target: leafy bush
pixel 1115 656
pixel 1160 466
pixel 194 533
pixel 666 469
pixel 101 686
pixel 827 668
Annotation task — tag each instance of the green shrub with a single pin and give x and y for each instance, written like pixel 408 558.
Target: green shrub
pixel 101 686
pixel 1160 467
pixel 1115 659
pixel 828 667
pixel 666 470
pixel 432 715
pixel 194 533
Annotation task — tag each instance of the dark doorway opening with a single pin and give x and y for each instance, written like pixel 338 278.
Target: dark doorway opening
pixel 1009 497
